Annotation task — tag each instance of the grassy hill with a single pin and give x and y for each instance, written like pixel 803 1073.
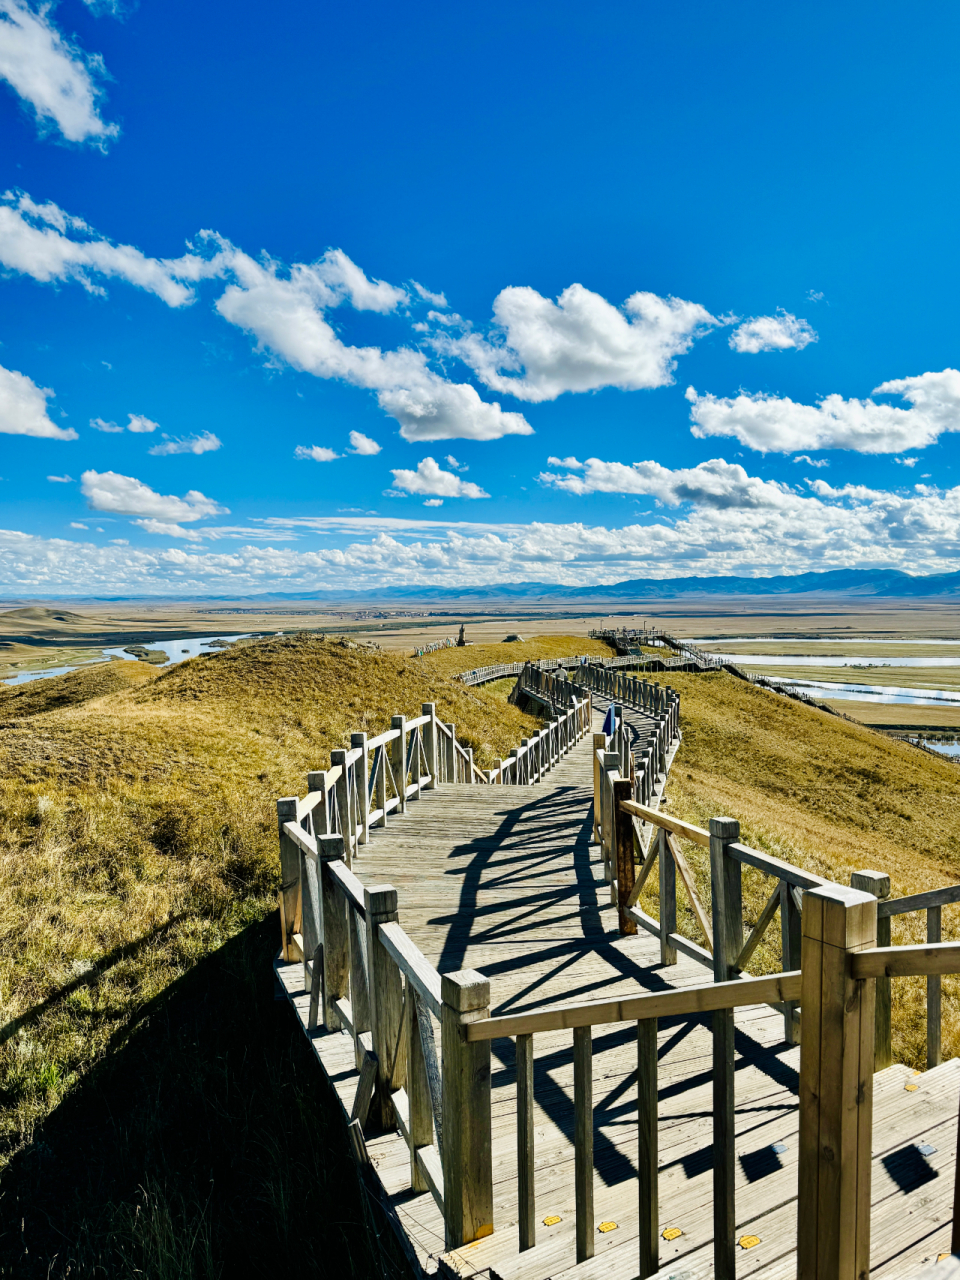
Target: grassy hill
pixel 828 795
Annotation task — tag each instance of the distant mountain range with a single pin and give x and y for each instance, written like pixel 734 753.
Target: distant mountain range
pixel 847 582
pixel 836 582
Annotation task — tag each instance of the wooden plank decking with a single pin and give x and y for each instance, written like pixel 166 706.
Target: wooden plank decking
pixel 505 880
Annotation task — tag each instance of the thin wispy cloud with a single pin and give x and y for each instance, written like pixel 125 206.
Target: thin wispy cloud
pixel 205 442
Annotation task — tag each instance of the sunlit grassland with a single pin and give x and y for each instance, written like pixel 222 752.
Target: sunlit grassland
pixel 826 795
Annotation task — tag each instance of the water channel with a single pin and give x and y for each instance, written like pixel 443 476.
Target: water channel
pixel 177 649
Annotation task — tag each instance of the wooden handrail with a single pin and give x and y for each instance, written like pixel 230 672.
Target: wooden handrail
pixel 919 901
pixel 907 962
pixel 301 838
pixel 349 885
pixel 410 959
pixel 772 866
pixel 685 829
pixel 705 998
pixel 310 802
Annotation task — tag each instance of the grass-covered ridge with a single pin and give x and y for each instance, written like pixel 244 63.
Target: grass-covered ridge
pixel 828 795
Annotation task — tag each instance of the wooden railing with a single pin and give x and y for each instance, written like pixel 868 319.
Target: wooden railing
pixel 931 902
pixel 363 973
pixel 836 985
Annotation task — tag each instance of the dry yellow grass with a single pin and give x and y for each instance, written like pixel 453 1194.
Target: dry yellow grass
pixel 138 827
pixel 827 795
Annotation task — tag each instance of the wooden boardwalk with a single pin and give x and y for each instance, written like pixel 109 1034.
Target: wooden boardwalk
pixel 506 880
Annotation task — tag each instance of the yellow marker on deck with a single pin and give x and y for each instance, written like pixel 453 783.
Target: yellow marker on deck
pixel 671 1233
pixel 941 1256
pixel 748 1242
pixel 552 1220
pixel 910 1088
pixel 607 1226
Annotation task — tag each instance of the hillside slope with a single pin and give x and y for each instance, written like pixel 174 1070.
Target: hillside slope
pixel 828 795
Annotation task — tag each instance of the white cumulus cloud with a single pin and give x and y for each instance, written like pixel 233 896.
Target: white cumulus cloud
pixel 316 452
pixel 205 442
pixel 430 479
pixel 772 333
pixel 23 408
pixel 811 462
pixel 126 496
pixel 780 425
pixel 141 425
pixel 716 483
pixel 111 428
pixel 438 299
pixel 58 80
pixel 359 443
pixel 286 316
pixel 538 349
pixel 61 479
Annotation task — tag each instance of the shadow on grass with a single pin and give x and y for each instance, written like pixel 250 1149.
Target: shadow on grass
pixel 207 1144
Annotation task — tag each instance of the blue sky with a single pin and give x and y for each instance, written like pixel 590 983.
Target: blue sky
pixel 573 295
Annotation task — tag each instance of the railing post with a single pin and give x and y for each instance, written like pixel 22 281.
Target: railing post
pixel 623 833
pixel 450 747
pixel 583 1139
pixel 333 932
pixel 418 1085
pixel 668 897
pixel 933 995
pixel 467 1138
pixel 344 807
pixel 386 999
pixel 725 878
pixel 310 922
pixel 526 1197
pixel 430 741
pixel 317 781
pixel 398 761
pixel 877 883
pixel 836 1086
pixel 789 952
pixel 648 1163
pixel 363 791
pixel 289 873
